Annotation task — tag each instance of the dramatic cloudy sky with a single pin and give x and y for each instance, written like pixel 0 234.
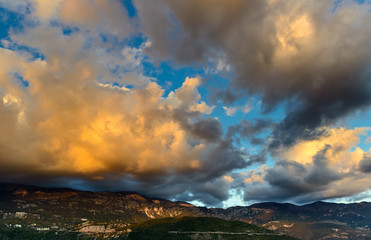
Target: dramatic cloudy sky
pixel 216 102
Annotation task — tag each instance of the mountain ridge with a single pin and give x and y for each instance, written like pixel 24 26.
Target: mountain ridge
pixel 86 211
pixel 124 193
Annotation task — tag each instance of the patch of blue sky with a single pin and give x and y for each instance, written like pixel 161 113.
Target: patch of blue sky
pixel 235 199
pixel 118 70
pixel 33 53
pixel 9 21
pixel 78 184
pixel 66 30
pixel 217 81
pixel 136 40
pixel 197 203
pixel 116 84
pixel 15 22
pixel 360 197
pixel 21 81
pixel 132 11
pixel 360 119
pixel 255 112
pixel 121 85
pixel 103 37
pixel 339 3
pixel 362 1
pixel 168 76
pixel 20 6
pixel 114 45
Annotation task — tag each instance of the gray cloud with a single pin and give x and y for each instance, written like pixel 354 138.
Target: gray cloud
pixel 207 128
pixel 228 95
pixel 257 159
pixel 222 158
pixel 297 182
pixel 250 130
pixel 320 174
pixel 285 181
pixel 257 141
pixel 365 164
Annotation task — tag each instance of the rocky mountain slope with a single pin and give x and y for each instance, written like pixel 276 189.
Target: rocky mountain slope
pixel 116 214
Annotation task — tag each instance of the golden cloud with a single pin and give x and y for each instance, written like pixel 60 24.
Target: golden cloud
pixel 324 168
pixel 81 126
pixel 339 155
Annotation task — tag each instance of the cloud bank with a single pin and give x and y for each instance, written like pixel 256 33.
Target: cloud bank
pixel 84 111
pixel 79 107
pixel 311 170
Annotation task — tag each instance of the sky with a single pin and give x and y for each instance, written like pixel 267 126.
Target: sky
pixel 215 102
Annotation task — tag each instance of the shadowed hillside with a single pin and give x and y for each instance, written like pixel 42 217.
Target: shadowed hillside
pixel 188 228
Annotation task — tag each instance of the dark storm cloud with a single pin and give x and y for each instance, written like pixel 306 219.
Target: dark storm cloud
pixel 283 178
pixel 183 186
pixel 228 96
pixel 207 128
pixel 304 53
pixel 223 158
pixel 345 92
pixel 205 184
pixel 284 182
pixel 257 158
pixel 365 164
pixel 300 183
pixel 257 141
pixel 320 174
pixel 250 130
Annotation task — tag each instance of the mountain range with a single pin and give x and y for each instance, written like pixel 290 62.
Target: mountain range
pixel 30 211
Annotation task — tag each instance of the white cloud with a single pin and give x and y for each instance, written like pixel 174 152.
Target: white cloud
pixel 202 107
pixel 247 108
pixel 230 111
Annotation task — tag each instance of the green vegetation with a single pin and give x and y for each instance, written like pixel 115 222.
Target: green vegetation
pixel 191 228
pixel 31 234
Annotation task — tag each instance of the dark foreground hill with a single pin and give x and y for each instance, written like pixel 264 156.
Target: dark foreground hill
pixel 31 210
pixel 190 228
